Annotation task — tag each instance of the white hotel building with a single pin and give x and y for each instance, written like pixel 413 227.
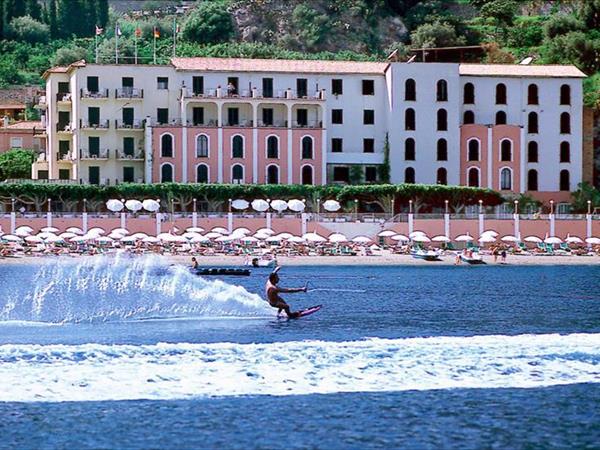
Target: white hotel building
pixel 512 128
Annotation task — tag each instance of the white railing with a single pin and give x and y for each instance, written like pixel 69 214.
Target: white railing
pixel 129 93
pixel 137 124
pixel 102 124
pixel 100 154
pixel 129 156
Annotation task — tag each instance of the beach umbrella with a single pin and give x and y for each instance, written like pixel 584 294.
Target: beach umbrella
pixel 400 237
pixel 279 205
pixel 78 239
pixel 150 205
pixel 213 235
pixel 421 238
pixel 220 230
pixel 249 239
pixel 166 237
pixel 75 230
pixel 274 239
pixel 104 240
pixel 178 239
pixel 54 240
pixel 440 238
pixel 22 233
pixel 189 235
pixel 151 240
pixel 486 239
pixel 139 235
pixel 225 239
pixel 490 233
pixel 50 230
pixel 123 231
pixel 284 235
pixel 96 230
pixel 573 240
pixel 241 231
pixel 133 205
pixel 261 236
pixel 260 205
pixel 34 239
pixel 509 238
pixel 268 231
pixel 553 240
pixel 128 239
pixel 533 239
pixel 593 241
pixel 25 228
pixel 114 205
pixel 331 205
pixel 45 235
pixel 116 236
pixel 240 204
pixel 464 238
pixel 314 237
pixel 415 234
pixel 363 240
pixel 296 240
pixel 387 233
pixel 296 205
pixel 67 235
pixel 199 239
pixel 194 230
pixel 337 238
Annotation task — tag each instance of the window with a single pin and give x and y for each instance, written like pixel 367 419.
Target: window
pixel 368 87
pixel 565 152
pixel 272 147
pixel 162 83
pixel 128 175
pixel 565 123
pixel 468 117
pixel 473 150
pixel 368 117
pixel 128 146
pixel 166 146
pixel 162 116
pixel 442 176
pixel 307 175
pixel 198 116
pixel 94 175
pixel 302 87
pixel 63 174
pixel 127 116
pixel 473 177
pixel 368 145
pixel 94 116
pixel 337 88
pixel 92 84
pixel 532 94
pixel 409 175
pixel 233 117
pixel 500 94
pixel 202 173
pixel 500 118
pixel 341 174
pixel 202 146
pixel 237 174
pixel 94 146
pixel 532 180
pixel 267 116
pixel 166 173
pixel 565 94
pixel 44 174
pixel 442 91
pixel 337 145
pixel 198 85
pixel 506 150
pixel 409 150
pixel 532 122
pixel 469 94
pixel 337 116
pixel 442 150
pixel 409 120
pixel 505 179
pixel 307 147
pixel 532 152
pixel 267 87
pixel 565 180
pixel 64 147
pixel 64 87
pixel 127 83
pixel 237 146
pixel 370 174
pixel 16 142
pixel 232 86
pixel 410 90
pixel 442 120
pixel 272 174
pixel 302 117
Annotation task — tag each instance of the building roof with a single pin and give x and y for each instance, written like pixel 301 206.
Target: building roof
pixel 518 70
pixel 279 65
pixel 24 125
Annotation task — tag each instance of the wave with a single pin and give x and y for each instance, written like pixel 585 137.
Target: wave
pixel 95 372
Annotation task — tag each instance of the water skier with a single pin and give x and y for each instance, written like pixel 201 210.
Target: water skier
pixel 272 292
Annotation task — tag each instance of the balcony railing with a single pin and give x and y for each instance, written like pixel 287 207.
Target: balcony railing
pixel 205 123
pixel 138 155
pixel 102 124
pixel 137 124
pixel 246 123
pixel 308 124
pixel 281 94
pixel 86 93
pixel 65 157
pixel 171 122
pixel 63 97
pixel 64 128
pixel 129 93
pixel 273 124
pixel 99 154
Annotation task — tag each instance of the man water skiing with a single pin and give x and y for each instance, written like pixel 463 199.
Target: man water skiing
pixel 272 292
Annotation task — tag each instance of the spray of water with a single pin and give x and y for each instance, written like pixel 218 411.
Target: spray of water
pixel 123 288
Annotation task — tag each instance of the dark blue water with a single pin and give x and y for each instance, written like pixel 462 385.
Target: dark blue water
pixel 359 303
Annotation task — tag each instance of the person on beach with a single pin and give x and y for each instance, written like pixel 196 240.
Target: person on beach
pixel 272 292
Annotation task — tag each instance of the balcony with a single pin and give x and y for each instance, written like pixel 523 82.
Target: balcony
pixel 136 125
pixel 64 128
pixel 102 94
pixel 101 125
pixel 244 123
pixel 129 93
pixel 41 104
pixel 205 123
pixel 93 155
pixel 65 157
pixel 63 97
pixel 254 93
pixel 308 124
pixel 129 156
pixel 273 124
pixel 170 123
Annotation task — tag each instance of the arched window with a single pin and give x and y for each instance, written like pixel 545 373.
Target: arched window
pixel 272 174
pixel 166 146
pixel 442 176
pixel 442 150
pixel 473 176
pixel 473 150
pixel 307 147
pixel 565 180
pixel 506 150
pixel 505 179
pixel 565 152
pixel 532 94
pixel 565 94
pixel 442 91
pixel 202 173
pixel 469 94
pixel 468 117
pixel 409 120
pixel 500 118
pixel 307 175
pixel 272 147
pixel 409 150
pixel 409 175
pixel 532 122
pixel 237 174
pixel 532 180
pixel 442 120
pixel 166 173
pixel 202 146
pixel 532 152
pixel 500 94
pixel 565 123
pixel 237 146
pixel 410 90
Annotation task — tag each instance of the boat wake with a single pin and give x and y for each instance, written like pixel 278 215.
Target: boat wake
pixel 96 372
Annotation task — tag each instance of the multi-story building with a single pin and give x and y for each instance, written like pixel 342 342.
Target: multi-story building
pixel 513 128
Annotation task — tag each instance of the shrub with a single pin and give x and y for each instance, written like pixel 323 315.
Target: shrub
pixel 436 34
pixel 67 55
pixel 16 164
pixel 560 24
pixel 209 22
pixel 28 29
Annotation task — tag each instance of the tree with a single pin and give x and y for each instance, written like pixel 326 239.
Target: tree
pixel 559 24
pixel 585 192
pixel 590 13
pixel 436 34
pixel 503 12
pixel 67 55
pixel 33 9
pixel 101 12
pixel 16 164
pixel 28 29
pixel 356 174
pixel 384 169
pixel 576 48
pixel 311 25
pixel 209 22
pixel 53 19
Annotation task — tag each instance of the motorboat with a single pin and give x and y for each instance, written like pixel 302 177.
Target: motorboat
pixel 257 261
pixel 427 255
pixel 473 259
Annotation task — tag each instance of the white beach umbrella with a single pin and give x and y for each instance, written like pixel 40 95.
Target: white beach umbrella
pixel 54 240
pixel 22 233
pixel 225 239
pixel 486 239
pixel 104 240
pixel 50 230
pixel 400 238
pixel 45 235
pixel 284 235
pixel 509 238
pixel 416 233
pixel 573 240
pixel 593 240
pixel 421 238
pixel 194 230
pixel 387 233
pixel 190 236
pixel 240 204
pixel 220 230
pixel 178 239
pixel 67 235
pixel 260 205
pixel 114 205
pixel 127 239
pixel 166 237
pixel 464 238
pixel 274 239
pixel 261 236
pixel 150 205
pixel 139 235
pixel 314 237
pixel 34 239
pixel 296 240
pixel 123 231
pixel 553 240
pixel 79 239
pixel 241 231
pixel 248 239
pixel 362 240
pixel 75 230
pixel 490 233
pixel 96 230
pixel 199 239
pixel 440 238
pixel 268 231
pixel 26 228
pixel 331 205
pixel 337 238
pixel 533 239
pixel 296 205
pixel 151 240
pixel 133 205
pixel 116 236
pixel 213 235
pixel 279 205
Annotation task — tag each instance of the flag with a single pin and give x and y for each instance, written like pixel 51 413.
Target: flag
pixel 99 30
pixel 118 31
pixel 138 32
pixel 156 33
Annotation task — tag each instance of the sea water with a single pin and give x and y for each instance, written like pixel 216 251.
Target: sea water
pixel 132 352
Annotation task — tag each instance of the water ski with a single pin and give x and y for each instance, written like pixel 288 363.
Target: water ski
pixel 307 311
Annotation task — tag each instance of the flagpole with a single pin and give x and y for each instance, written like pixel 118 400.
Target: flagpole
pixel 96 44
pixel 154 59
pixel 117 44
pixel 174 36
pixel 135 45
